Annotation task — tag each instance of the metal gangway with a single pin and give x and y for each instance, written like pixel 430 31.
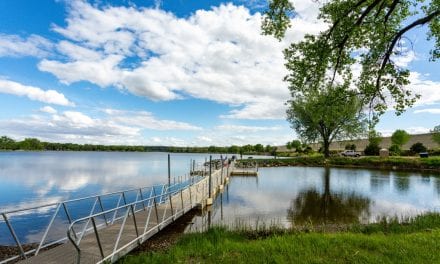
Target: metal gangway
pixel 117 222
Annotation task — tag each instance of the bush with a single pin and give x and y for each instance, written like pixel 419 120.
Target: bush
pixel 395 150
pixel 350 147
pixel 372 149
pixel 418 147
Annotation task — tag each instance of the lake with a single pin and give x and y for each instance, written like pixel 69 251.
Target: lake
pixel 284 196
pixel 289 196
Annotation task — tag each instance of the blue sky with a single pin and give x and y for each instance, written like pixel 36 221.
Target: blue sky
pixel 180 72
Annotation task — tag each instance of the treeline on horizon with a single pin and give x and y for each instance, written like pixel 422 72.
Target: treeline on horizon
pixel 34 144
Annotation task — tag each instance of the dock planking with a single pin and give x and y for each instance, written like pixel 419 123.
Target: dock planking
pixel 137 227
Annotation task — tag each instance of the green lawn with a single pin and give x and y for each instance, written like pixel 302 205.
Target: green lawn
pixel 414 242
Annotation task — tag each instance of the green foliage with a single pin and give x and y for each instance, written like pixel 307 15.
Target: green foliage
pixel 365 33
pixel 325 116
pixel 7 143
pixel 374 139
pixel 350 147
pixel 415 241
pixel 436 134
pixel 31 144
pixel 418 147
pixel 395 150
pixel 400 137
pixel 277 18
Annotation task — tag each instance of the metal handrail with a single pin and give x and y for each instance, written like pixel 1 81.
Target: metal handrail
pixel 130 207
pixel 58 205
pixel 78 199
pixel 147 203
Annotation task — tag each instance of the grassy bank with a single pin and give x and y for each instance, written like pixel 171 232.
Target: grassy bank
pixel 391 163
pixel 385 242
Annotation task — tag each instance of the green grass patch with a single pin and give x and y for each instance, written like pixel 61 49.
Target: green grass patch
pixel 391 163
pixel 415 241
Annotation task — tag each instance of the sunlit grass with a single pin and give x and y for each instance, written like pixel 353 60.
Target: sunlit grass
pixel 415 241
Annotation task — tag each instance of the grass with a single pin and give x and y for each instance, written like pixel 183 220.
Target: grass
pixel 395 163
pixel 415 241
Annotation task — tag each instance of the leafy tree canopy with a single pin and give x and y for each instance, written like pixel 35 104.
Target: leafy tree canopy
pixel 368 34
pixel 324 116
pixel 436 134
pixel 400 137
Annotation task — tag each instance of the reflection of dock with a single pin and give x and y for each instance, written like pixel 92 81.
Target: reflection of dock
pixel 106 234
pixel 244 172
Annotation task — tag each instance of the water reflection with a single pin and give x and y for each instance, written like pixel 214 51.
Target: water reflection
pixel 298 195
pixel 328 207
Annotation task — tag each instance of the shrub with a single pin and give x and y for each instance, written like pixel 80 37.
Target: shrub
pixel 395 150
pixel 418 147
pixel 372 149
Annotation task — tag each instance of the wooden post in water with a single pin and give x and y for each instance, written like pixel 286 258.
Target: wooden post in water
pixel 209 200
pixel 169 170
pixel 221 173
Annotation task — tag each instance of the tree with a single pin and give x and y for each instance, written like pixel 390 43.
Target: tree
pixel 436 134
pixel 31 144
pixel 259 148
pixel 374 139
pixel 7 143
pixel 289 145
pixel 400 138
pixel 296 144
pixel 369 34
pixel 323 116
pixel 418 147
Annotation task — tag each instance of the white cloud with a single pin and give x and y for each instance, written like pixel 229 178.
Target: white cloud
pixel 247 129
pixel 34 93
pixel 146 120
pixel 429 90
pixel 217 54
pixel 48 109
pixel 115 127
pixel 429 110
pixel 16 46
pixel 411 130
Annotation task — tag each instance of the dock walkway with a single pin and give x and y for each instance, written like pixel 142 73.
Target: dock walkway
pixel 108 235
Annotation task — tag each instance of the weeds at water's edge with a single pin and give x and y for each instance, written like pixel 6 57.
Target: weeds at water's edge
pixel 388 241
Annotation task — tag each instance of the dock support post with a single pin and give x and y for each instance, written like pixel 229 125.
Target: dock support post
pixel 209 200
pixel 169 170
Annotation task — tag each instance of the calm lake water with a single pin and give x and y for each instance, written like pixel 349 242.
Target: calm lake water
pixel 291 196
pixel 283 196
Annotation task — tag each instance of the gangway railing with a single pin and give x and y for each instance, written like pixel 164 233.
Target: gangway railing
pixel 63 213
pixel 163 206
pixel 160 202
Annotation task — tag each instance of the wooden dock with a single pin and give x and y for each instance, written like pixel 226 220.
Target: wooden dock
pixel 113 240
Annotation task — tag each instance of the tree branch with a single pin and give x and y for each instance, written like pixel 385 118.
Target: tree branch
pixel 396 38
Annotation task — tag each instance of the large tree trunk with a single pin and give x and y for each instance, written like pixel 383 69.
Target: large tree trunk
pixel 326 148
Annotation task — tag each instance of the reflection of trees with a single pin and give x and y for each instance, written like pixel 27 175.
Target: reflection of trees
pixel 328 207
pixel 401 183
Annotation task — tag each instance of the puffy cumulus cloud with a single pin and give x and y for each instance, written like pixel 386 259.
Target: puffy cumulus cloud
pixel 48 109
pixel 34 93
pixel 270 109
pixel 115 127
pixel 16 46
pixel 216 54
pixel 429 90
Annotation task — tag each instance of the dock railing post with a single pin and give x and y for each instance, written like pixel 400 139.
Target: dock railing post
pixel 209 200
pixel 169 170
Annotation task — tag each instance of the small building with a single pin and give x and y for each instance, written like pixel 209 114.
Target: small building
pixel 384 153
